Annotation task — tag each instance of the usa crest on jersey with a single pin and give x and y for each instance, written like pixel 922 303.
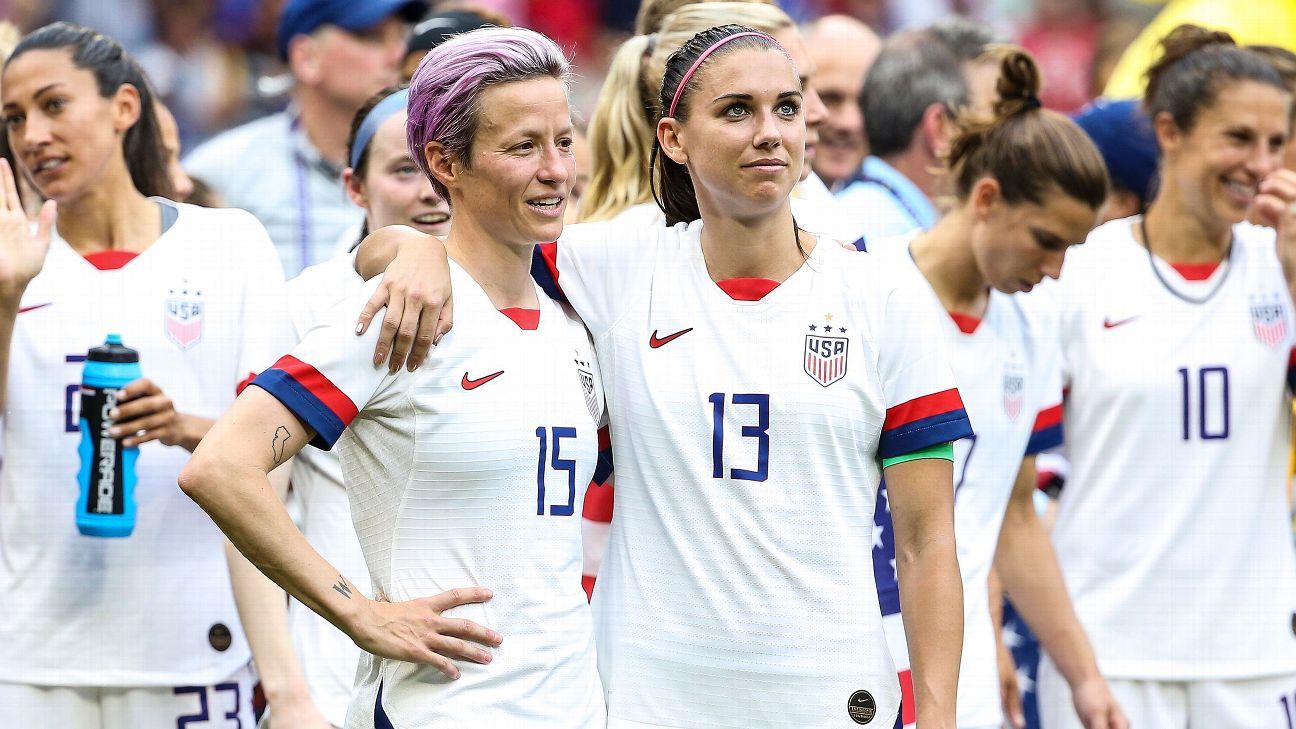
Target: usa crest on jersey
pixel 825 356
pixel 586 374
pixel 1014 388
pixel 1268 319
pixel 183 316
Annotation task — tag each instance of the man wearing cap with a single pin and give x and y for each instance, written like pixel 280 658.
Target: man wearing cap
pixel 286 169
pixel 439 27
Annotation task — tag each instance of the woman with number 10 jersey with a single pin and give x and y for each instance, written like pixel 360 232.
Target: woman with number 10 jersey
pixel 1177 335
pixel 759 381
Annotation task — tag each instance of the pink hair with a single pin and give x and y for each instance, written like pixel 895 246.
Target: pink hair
pixel 446 88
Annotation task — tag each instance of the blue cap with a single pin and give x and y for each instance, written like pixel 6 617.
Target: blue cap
pixel 302 17
pixel 1123 134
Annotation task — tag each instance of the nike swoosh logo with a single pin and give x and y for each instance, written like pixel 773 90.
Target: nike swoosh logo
pixel 1109 324
pixel 26 309
pixel 474 384
pixel 655 342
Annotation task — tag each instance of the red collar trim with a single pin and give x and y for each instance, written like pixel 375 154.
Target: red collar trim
pixel 747 289
pixel 1196 271
pixel 110 260
pixel 965 322
pixel 526 319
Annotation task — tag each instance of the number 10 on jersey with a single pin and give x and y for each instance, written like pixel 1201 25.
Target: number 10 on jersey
pixel 1207 396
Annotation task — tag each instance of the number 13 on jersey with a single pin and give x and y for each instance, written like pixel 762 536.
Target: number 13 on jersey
pixel 759 430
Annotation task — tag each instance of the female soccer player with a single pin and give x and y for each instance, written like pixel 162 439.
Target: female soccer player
pixel 1177 332
pixel 462 474
pixel 311 685
pixel 622 129
pixel 139 631
pixel 1028 185
pixel 759 381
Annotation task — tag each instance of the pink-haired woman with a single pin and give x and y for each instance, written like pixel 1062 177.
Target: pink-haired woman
pixel 462 474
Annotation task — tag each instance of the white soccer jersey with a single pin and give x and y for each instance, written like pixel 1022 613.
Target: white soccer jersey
pixel 1172 530
pixel 747 436
pixel 468 471
pixel 1007 372
pixel 328 656
pixel 814 214
pixel 203 306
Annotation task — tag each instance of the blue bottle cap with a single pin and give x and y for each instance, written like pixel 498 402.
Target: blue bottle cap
pixel 113 339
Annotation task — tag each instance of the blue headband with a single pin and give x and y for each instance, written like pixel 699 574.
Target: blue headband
pixel 381 112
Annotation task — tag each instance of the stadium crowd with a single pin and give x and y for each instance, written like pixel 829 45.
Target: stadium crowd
pixel 900 451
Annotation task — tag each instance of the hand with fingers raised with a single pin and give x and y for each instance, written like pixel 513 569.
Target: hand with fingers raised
pixel 416 631
pixel 1275 206
pixel 22 252
pixel 145 413
pixel 415 290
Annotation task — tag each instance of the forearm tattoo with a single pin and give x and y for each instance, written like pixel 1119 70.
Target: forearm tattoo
pixel 281 437
pixel 342 587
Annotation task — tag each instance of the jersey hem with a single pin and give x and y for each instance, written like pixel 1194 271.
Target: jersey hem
pixel 1154 671
pixel 128 679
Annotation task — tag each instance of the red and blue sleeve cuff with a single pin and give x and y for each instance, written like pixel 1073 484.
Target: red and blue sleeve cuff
pixel 544 270
pixel 311 397
pixel 603 467
pixel 924 422
pixel 1047 432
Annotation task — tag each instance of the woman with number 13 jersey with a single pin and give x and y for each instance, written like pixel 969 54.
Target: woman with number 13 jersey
pixel 759 381
pixel 1177 334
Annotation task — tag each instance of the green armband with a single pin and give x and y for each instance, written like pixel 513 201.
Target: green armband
pixel 944 451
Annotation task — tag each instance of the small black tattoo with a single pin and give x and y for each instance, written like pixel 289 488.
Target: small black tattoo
pixel 342 588
pixel 281 437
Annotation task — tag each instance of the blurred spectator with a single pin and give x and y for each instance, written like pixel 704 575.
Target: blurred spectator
pixel 652 13
pixel 129 22
pixel 169 136
pixel 287 168
pixel 1115 36
pixel 202 80
pixel 436 28
pixel 968 40
pixel 1064 38
pixel 1123 134
pixel 907 101
pixel 843 49
pixel 584 166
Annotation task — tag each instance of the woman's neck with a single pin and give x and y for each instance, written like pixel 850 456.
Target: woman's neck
pixel 758 247
pixel 944 256
pixel 112 216
pixel 1179 234
pixel 503 270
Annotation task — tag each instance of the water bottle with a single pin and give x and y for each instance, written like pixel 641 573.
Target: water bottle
pixel 106 505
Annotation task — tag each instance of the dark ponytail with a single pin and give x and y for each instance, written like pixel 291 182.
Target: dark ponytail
pixel 1194 65
pixel 1026 149
pixel 672 187
pixel 112 66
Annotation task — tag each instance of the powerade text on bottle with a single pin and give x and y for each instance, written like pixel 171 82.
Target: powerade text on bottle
pixel 106 506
